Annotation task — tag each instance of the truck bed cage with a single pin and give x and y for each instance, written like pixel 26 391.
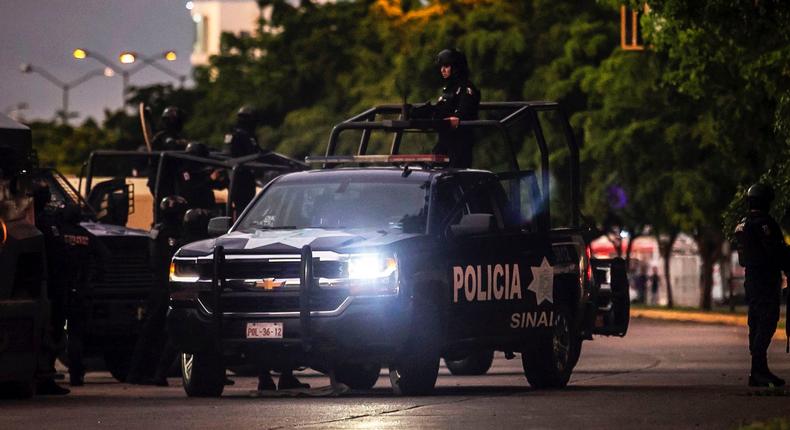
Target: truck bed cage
pixel 262 161
pixel 514 112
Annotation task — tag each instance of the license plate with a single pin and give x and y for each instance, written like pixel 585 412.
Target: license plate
pixel 264 330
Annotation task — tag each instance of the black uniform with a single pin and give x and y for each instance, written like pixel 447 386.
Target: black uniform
pixel 153 346
pixel 167 139
pixel 47 222
pixel 193 182
pixel 240 143
pixel 764 253
pixel 460 98
pixel 79 248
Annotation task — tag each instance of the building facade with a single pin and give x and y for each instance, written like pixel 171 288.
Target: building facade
pixel 214 17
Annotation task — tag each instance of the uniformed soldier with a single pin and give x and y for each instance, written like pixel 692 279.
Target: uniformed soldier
pixel 46 221
pixel 166 238
pixel 764 254
pixel 460 101
pixel 195 182
pixel 239 143
pixel 169 138
pixel 79 248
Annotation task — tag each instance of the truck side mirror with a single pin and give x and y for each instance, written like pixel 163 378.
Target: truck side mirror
pixel 471 224
pixel 218 226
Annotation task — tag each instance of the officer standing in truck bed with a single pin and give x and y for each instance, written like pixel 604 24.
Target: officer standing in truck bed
pixel 460 101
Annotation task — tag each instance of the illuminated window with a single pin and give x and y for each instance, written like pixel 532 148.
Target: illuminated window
pixel 630 31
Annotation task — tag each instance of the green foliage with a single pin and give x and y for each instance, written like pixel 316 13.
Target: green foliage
pixel 68 147
pixel 733 56
pixel 677 129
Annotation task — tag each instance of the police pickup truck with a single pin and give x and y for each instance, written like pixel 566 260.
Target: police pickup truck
pixel 398 262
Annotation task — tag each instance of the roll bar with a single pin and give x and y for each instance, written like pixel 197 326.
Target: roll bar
pixel 517 111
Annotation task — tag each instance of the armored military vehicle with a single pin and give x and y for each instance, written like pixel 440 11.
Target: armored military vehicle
pixel 23 298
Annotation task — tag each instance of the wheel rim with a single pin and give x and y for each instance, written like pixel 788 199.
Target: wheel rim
pixel 561 343
pixel 187 361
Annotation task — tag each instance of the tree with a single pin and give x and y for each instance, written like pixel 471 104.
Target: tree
pixel 733 58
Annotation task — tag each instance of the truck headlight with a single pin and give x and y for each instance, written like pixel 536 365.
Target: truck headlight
pixel 184 271
pixel 373 274
pixel 371 266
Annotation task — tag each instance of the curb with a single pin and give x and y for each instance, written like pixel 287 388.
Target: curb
pixel 698 317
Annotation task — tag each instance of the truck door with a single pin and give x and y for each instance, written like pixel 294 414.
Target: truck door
pixel 492 259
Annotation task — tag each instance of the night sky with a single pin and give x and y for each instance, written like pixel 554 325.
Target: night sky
pixel 45 32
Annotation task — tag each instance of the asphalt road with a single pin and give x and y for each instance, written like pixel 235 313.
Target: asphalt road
pixel 662 375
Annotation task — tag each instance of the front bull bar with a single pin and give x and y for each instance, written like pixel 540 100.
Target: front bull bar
pixel 306 285
pixel 217 285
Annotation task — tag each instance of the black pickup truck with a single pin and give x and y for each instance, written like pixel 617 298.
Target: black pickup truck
pixel 398 262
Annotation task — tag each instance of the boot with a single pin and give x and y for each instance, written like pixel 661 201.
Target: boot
pixel 288 382
pixel 761 376
pixel 266 383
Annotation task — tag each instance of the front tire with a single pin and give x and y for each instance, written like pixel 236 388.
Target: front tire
pixel 475 364
pixel 202 374
pixel 358 376
pixel 415 370
pixel 548 363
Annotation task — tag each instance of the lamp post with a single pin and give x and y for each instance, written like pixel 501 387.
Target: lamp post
pixel 130 57
pixel 14 111
pixel 64 86
pixel 81 54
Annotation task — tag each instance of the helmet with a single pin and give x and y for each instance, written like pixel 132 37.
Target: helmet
pixel 173 207
pixel 196 222
pixel 456 59
pixel 247 111
pixel 760 196
pixel 173 118
pixel 197 149
pixel 246 118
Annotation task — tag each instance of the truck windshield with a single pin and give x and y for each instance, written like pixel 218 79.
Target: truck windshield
pixel 340 205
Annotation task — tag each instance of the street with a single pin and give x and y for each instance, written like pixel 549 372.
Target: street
pixel 661 375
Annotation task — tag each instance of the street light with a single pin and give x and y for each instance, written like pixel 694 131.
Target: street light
pixel 64 86
pixel 81 54
pixel 131 57
pixel 14 111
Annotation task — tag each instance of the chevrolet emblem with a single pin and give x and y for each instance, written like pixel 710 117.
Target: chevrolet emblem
pixel 269 284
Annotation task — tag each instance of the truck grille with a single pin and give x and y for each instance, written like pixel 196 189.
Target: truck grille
pixel 279 301
pixel 126 272
pixel 235 269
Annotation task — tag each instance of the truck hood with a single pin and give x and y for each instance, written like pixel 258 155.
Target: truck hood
pixel 291 241
pixel 101 230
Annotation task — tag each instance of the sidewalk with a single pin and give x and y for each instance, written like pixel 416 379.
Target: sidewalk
pixel 699 316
